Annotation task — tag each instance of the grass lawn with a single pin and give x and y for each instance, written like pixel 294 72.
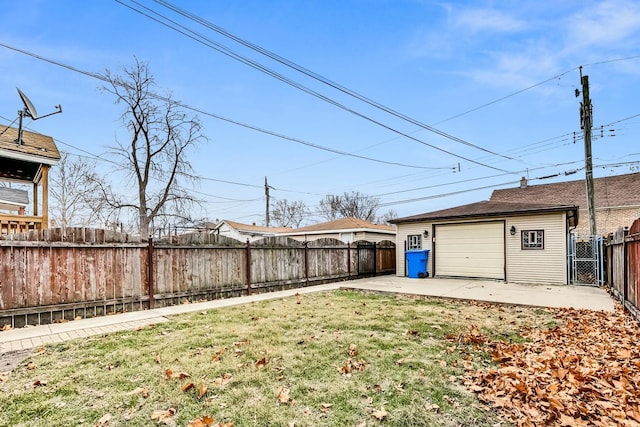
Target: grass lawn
pixel 330 359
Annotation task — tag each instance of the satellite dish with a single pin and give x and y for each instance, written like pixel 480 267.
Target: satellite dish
pixel 30 111
pixel 29 108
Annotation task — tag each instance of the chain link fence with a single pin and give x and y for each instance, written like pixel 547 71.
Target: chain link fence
pixel 586 260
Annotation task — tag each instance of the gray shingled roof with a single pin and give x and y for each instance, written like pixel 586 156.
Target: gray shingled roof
pixel 14 196
pixel 609 192
pixel 487 208
pixel 345 224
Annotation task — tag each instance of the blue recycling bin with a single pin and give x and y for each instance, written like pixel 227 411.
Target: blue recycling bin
pixel 417 263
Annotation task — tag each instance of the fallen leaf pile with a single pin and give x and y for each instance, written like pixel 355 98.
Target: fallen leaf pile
pixel 352 365
pixel 585 372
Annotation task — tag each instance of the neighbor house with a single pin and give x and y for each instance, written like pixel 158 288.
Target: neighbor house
pixel 244 232
pixel 616 198
pixel 25 161
pixel 347 230
pixel 514 242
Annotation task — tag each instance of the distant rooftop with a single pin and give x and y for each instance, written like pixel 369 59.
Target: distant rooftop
pixel 609 192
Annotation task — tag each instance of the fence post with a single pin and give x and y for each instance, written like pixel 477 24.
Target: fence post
pixel 152 302
pixel 306 263
pixel 248 266
pixel 375 259
pixel 349 259
pixel 625 274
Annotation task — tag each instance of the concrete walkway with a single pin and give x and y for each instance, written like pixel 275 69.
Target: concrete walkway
pixel 582 297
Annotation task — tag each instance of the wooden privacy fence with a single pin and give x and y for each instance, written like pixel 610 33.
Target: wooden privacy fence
pixel 53 275
pixel 623 267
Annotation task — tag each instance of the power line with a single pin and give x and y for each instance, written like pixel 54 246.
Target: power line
pixel 226 51
pixel 317 76
pixel 226 119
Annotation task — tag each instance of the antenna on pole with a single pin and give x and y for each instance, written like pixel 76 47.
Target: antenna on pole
pixel 31 112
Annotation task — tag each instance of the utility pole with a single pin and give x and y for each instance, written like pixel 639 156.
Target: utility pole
pixel 266 193
pixel 586 121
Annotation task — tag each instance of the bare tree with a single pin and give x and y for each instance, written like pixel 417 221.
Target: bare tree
pixel 388 216
pixel 74 190
pixel 329 207
pixel 289 214
pixel 155 156
pixel 353 204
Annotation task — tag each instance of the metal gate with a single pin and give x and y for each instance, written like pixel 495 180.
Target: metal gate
pixel 585 260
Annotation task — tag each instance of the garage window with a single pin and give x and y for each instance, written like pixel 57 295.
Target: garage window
pixel 414 241
pixel 532 239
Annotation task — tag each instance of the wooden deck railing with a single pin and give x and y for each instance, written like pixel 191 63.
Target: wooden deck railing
pixel 10 224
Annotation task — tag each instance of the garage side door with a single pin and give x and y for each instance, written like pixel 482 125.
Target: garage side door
pixel 470 250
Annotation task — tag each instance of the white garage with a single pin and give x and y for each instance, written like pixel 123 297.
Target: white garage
pixel 513 242
pixel 470 250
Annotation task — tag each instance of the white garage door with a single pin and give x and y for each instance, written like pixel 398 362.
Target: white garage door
pixel 470 250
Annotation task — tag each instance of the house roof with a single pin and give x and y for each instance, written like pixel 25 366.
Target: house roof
pixel 345 224
pixel 22 161
pixel 257 229
pixel 14 196
pixel 609 192
pixel 488 208
pixel 33 144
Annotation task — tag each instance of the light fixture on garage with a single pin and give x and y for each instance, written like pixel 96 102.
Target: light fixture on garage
pixel 426 233
pixel 513 230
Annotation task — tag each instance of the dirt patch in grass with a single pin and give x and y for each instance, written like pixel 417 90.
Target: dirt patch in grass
pixel 12 359
pixel 339 358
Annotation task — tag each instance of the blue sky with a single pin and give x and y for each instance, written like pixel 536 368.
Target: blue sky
pixel 496 78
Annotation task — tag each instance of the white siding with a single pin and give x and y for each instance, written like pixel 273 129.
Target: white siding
pixel 402 232
pixel 546 266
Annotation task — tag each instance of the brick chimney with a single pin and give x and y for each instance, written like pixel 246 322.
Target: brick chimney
pixel 523 182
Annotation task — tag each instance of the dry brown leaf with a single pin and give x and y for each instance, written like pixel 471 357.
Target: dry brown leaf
pixel 204 421
pixel 5 327
pixel 353 350
pixel 163 414
pixel 582 372
pixel 143 391
pixel 202 390
pixel 379 414
pixel 158 360
pixel 283 394
pixel 261 363
pixel 104 420
pixel 31 366
pixel 188 386
pixel 431 407
pixel 217 355
pixel 223 380
pixel 325 407
pixel 169 374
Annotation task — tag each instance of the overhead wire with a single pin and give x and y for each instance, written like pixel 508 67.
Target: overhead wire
pixel 103 78
pixel 97 75
pixel 317 76
pixel 247 61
